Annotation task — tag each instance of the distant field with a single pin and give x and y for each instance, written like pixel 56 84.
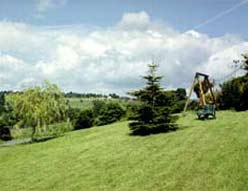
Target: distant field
pixel 201 156
pixel 87 103
pixel 81 103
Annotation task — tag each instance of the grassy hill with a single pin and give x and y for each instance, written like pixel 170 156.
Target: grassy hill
pixel 201 156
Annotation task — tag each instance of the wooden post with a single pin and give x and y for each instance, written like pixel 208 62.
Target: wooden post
pixel 211 91
pixel 202 96
pixel 190 93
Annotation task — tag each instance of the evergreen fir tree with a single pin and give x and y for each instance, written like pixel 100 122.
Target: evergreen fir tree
pixel 153 115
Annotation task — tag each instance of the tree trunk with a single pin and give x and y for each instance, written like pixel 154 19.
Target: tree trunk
pixel 33 133
pixel 34 130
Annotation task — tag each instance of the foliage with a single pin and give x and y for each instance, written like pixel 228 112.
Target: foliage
pixel 131 109
pixel 245 62
pixel 154 114
pixel 7 119
pixel 181 94
pixel 73 114
pixel 5 134
pixel 98 106
pixel 234 94
pixel 2 102
pixel 85 119
pixel 176 99
pixel 109 113
pixel 114 96
pixel 84 95
pixel 39 106
pixel 193 105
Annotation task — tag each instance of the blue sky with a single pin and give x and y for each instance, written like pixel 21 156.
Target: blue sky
pixel 104 46
pixel 180 14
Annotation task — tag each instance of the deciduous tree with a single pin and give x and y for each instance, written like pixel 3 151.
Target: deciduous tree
pixel 38 107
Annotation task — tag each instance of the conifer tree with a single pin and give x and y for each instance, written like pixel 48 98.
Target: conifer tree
pixel 153 115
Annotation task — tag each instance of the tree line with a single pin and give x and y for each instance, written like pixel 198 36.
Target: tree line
pixel 150 109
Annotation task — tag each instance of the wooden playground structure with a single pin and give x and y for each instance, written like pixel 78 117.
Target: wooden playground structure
pixel 202 87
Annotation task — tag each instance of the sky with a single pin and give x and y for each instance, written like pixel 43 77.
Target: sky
pixel 105 46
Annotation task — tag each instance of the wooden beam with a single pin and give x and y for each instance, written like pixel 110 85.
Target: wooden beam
pixel 190 93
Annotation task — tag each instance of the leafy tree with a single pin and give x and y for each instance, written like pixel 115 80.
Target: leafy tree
pixel 154 114
pixel 176 99
pixel 73 114
pixel 110 113
pixel 245 62
pixel 84 120
pixel 2 102
pixel 98 105
pixel 234 94
pixel 181 94
pixel 4 130
pixel 39 106
pixel 114 96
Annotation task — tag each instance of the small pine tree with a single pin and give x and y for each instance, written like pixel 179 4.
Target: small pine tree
pixel 153 115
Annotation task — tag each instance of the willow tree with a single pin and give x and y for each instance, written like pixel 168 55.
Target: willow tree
pixel 38 107
pixel 154 112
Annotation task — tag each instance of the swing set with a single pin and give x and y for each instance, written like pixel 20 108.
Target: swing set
pixel 202 86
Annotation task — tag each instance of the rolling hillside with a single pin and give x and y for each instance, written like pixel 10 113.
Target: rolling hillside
pixel 202 155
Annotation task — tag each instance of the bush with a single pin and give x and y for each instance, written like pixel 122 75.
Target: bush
pixel 84 120
pixel 58 129
pixel 110 113
pixel 178 106
pixel 73 114
pixel 132 109
pixel 98 105
pixel 234 94
pixel 2 103
pixel 5 134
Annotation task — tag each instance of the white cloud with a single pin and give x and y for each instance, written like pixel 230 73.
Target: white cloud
pixel 111 59
pixel 13 71
pixel 44 5
pixel 139 20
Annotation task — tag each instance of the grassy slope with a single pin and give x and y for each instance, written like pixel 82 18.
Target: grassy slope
pixel 210 155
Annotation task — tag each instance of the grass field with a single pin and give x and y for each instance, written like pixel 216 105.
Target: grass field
pixel 87 103
pixel 81 103
pixel 201 156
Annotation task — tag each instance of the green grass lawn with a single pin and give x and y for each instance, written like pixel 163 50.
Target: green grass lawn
pixel 202 156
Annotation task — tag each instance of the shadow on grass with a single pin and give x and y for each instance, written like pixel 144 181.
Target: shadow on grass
pixel 205 119
pixel 44 139
pixel 27 141
pixel 138 129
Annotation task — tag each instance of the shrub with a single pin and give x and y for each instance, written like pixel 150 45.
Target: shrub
pixel 234 94
pixel 73 114
pixel 98 105
pixel 2 102
pixel 132 109
pixel 5 134
pixel 84 120
pixel 110 113
pixel 178 106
